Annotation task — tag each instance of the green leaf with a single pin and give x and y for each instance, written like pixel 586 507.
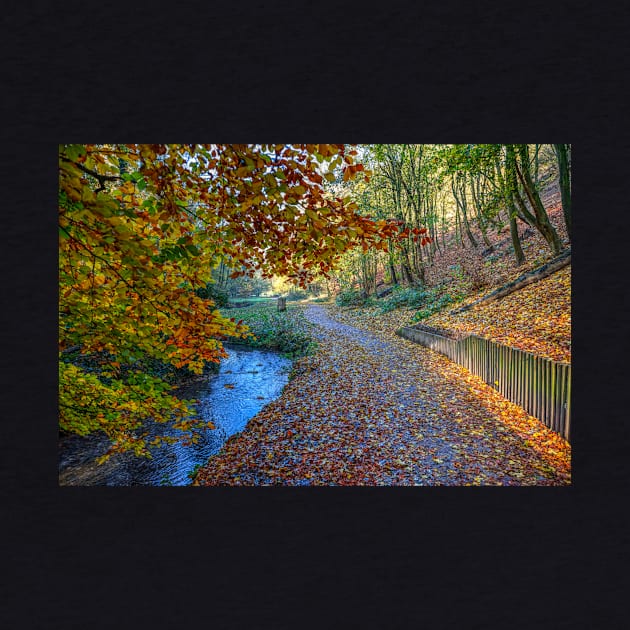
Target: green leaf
pixel 74 151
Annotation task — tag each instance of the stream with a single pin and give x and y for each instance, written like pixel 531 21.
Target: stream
pixel 257 376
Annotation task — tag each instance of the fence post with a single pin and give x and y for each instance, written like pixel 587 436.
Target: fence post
pixel 487 346
pixel 524 378
pixel 282 304
pixel 490 363
pixel 508 375
pixel 554 406
pixel 541 389
pixel 568 403
pixel 541 383
pixel 532 391
pixel 563 390
pixel 543 393
pixel 560 394
pixel 521 389
pixel 517 388
pixel 501 368
pixel 511 388
pixel 478 353
pixel 549 390
pixel 537 387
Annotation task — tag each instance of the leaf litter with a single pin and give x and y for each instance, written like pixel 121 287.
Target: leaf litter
pixel 522 319
pixel 371 408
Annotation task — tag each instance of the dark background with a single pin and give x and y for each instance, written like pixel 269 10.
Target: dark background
pixel 509 558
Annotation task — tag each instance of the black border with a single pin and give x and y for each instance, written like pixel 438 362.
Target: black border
pixel 305 557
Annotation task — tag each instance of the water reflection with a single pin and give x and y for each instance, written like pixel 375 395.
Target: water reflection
pixel 247 380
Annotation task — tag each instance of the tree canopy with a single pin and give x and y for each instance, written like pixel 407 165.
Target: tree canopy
pixel 141 226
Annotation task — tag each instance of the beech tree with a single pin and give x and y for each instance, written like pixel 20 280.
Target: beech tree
pixel 141 226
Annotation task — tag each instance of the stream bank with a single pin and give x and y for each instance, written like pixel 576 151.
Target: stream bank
pixel 247 381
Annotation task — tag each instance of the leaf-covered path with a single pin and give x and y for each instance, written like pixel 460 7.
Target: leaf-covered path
pixel 374 409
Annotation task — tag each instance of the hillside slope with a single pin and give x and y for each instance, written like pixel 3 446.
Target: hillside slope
pixel 536 318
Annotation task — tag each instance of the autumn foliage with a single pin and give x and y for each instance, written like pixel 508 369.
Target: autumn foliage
pixel 140 228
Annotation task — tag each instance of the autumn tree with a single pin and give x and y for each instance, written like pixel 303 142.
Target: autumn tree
pixel 141 227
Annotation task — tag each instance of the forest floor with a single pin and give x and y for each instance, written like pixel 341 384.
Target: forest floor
pixel 371 408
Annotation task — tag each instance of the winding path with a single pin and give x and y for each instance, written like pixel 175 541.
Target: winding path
pixel 372 409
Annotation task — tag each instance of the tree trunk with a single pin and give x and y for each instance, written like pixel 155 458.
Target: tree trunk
pixel 511 211
pixel 392 271
pixel 516 243
pixel 407 273
pixel 433 231
pixel 471 238
pixel 479 213
pixel 405 267
pixel 511 187
pixel 443 224
pixel 565 183
pixel 458 229
pixel 542 219
pixel 461 203
pixel 420 265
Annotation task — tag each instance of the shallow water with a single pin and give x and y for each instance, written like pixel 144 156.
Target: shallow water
pixel 257 376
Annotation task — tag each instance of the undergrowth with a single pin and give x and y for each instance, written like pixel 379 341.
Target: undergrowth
pixel 426 300
pixel 353 297
pixel 287 331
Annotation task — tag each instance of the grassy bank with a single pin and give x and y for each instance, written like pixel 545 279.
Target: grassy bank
pixel 287 332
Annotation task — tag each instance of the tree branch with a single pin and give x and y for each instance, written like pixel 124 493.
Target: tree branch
pixel 101 178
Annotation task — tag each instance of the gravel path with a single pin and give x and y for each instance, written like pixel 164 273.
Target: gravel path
pixel 372 409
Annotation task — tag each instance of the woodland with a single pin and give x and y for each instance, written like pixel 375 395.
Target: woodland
pixel 320 252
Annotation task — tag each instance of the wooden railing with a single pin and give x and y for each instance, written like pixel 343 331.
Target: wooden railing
pixel 540 386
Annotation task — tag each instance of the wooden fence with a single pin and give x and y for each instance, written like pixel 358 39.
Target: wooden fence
pixel 541 386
